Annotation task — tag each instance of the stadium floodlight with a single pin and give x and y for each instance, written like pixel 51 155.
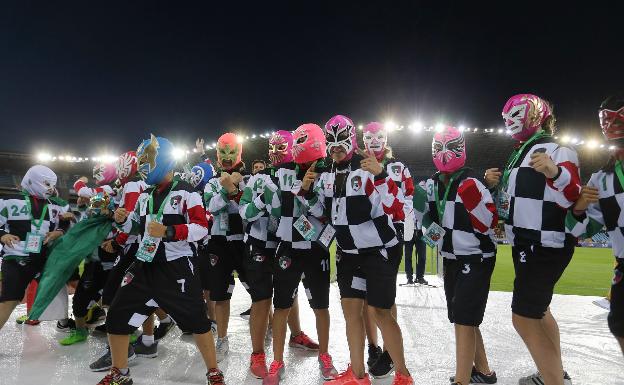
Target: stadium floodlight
pixel 500 130
pixel 565 139
pixel 611 147
pixel 240 139
pixel 416 127
pixel 439 127
pixel 73 158
pixel 592 144
pixel 462 127
pixel 86 159
pixel 61 157
pixel 214 144
pixel 361 127
pixel 475 130
pixel 602 146
pixel 390 125
pixel 178 153
pixel 44 157
pixel 574 140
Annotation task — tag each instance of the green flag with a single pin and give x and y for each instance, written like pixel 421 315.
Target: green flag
pixel 67 253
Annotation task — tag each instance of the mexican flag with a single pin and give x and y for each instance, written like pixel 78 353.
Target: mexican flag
pixel 66 254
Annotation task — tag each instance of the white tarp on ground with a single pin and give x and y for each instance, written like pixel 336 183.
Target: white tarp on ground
pixel 31 355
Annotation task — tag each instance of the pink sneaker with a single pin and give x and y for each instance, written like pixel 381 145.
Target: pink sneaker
pixel 400 379
pixel 276 372
pixel 326 365
pixel 258 366
pixel 347 378
pixel 302 341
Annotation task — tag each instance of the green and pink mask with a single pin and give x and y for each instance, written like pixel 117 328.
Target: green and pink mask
pixel 229 151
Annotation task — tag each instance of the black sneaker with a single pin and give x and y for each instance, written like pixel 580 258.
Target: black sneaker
pixel 246 314
pixel 143 350
pixel 383 367
pixel 476 377
pixel 66 326
pixel 422 281
pixel 410 281
pixel 162 329
pixel 101 329
pixel 106 361
pixel 374 352
pixel 95 315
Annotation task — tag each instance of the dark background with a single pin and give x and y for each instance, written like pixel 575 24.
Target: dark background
pixel 91 77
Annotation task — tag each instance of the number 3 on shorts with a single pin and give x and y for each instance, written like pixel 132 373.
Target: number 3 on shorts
pixel 181 282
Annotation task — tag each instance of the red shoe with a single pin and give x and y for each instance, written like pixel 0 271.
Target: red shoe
pixel 302 341
pixel 116 378
pixel 258 366
pixel 400 379
pixel 276 373
pixel 347 378
pixel 32 322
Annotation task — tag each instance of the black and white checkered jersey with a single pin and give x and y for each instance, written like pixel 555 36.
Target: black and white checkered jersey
pixel 129 195
pixel 220 206
pixel 361 208
pixel 260 209
pixel 288 182
pixel 606 213
pixel 183 210
pixel 469 215
pixel 401 176
pixel 16 220
pixel 538 205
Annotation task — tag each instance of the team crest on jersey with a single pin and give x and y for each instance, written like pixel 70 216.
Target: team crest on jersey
pixel 617 277
pixel 175 201
pixel 284 262
pixel 259 258
pixel 396 169
pixel 214 259
pixel 356 183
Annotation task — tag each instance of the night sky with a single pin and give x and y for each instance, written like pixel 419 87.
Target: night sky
pixel 95 76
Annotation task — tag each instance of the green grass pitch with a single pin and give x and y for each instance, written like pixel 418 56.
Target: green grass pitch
pixel 589 273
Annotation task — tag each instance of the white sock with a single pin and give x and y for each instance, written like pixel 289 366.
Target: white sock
pixel 147 340
pixel 124 371
pixel 165 320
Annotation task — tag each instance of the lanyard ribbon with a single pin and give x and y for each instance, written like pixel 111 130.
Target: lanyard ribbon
pixel 441 205
pixel 43 212
pixel 515 155
pixel 162 204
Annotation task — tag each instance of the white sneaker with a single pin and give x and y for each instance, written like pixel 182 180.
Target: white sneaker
pixel 536 379
pixel 213 328
pixel 222 347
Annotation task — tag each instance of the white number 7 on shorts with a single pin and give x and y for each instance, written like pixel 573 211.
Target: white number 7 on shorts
pixel 181 282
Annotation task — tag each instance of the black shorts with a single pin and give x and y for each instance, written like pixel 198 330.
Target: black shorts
pixel 89 287
pixel 203 265
pixel 466 286
pixel 292 266
pixel 371 276
pixel 172 286
pixel 117 273
pixel 616 314
pixel 16 275
pixel 538 270
pixel 259 264
pixel 225 258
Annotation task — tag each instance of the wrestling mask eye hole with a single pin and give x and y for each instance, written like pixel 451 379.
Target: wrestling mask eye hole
pixel 344 135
